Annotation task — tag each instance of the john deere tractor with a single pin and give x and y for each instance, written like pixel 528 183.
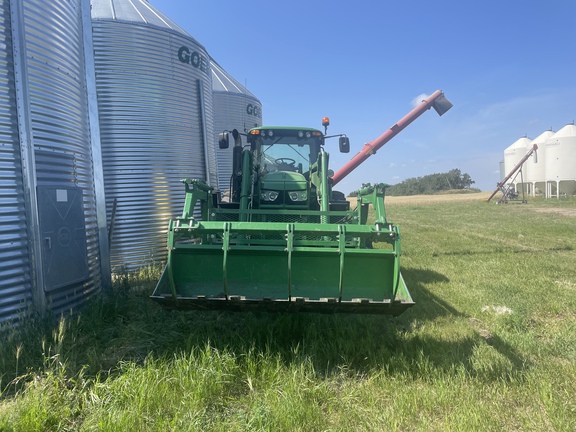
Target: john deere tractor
pixel 284 240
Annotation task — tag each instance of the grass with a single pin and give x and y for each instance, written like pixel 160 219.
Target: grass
pixel 490 345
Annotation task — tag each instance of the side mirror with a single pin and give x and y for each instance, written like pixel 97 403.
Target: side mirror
pixel 344 144
pixel 224 140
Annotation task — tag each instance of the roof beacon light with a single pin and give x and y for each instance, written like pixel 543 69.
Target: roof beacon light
pixel 325 123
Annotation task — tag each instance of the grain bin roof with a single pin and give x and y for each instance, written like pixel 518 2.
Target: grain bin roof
pixel 222 81
pixel 520 143
pixel 139 12
pixel 541 139
pixel 567 131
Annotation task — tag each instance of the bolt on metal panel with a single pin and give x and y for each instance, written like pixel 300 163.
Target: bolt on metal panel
pixel 15 263
pixel 155 105
pixel 53 136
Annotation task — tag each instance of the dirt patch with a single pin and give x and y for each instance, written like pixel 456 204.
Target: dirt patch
pixel 432 199
pixel 435 199
pixel 467 197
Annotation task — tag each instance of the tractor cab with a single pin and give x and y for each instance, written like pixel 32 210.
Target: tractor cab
pixel 283 161
pixel 282 149
pixel 283 166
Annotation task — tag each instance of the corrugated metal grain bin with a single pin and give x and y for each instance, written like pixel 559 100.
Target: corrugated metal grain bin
pixel 53 249
pixel 15 260
pixel 234 108
pixel 155 105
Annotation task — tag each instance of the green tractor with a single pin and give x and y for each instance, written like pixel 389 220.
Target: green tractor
pixel 284 240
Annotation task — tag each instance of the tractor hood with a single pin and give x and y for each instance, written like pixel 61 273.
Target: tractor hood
pixel 284 181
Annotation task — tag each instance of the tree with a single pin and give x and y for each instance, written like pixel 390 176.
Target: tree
pixel 432 183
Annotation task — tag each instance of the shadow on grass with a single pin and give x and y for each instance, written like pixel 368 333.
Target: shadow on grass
pixel 128 326
pixel 430 307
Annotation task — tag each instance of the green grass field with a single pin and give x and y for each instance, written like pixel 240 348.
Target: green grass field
pixel 490 345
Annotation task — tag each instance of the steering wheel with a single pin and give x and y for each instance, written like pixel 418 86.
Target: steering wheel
pixel 285 160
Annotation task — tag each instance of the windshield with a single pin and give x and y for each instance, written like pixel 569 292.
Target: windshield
pixel 288 153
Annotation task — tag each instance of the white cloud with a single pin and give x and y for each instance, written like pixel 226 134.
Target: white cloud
pixel 419 99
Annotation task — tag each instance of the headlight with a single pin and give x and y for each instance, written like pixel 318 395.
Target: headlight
pixel 298 195
pixel 268 195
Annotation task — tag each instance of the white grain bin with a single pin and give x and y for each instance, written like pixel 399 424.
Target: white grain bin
pixel 53 241
pixel 155 103
pixel 561 162
pixel 234 108
pixel 512 155
pixel 536 166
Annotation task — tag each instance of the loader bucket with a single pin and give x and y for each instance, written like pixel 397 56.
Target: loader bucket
pixel 291 273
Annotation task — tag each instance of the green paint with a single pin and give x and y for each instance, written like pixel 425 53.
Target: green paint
pixel 278 254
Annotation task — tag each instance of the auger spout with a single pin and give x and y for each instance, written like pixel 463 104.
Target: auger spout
pixel 436 100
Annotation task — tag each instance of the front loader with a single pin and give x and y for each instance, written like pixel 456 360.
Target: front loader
pixel 284 240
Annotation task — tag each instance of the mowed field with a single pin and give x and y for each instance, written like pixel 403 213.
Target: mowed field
pixel 489 345
pixel 437 199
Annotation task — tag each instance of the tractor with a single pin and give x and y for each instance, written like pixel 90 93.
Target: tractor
pixel 284 240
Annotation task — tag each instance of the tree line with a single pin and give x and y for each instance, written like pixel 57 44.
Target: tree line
pixel 426 185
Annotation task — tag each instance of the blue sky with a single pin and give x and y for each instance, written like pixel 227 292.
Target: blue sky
pixel 509 68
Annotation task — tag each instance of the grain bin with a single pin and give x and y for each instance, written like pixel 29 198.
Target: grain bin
pixel 155 103
pixel 53 248
pixel 536 166
pixel 234 108
pixel 561 162
pixel 512 155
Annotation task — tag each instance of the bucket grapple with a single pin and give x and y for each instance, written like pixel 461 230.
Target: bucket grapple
pixel 284 240
pixel 282 262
